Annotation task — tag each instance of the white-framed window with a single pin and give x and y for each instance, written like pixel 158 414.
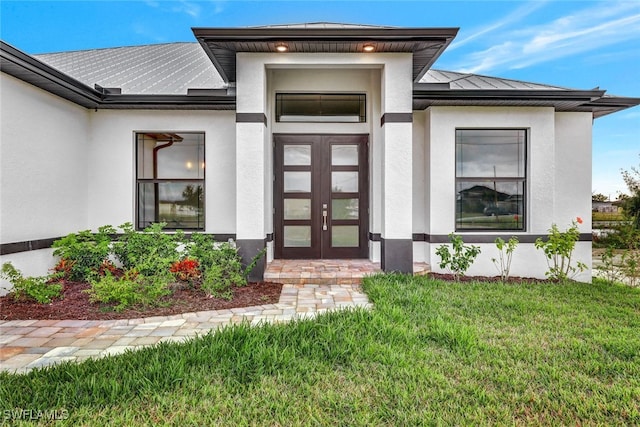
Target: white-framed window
pixel 491 179
pixel 170 179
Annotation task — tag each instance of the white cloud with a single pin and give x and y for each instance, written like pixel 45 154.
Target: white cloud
pixel 190 8
pixel 512 18
pixel 589 29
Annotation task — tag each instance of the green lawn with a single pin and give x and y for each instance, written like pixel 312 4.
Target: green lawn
pixel 429 353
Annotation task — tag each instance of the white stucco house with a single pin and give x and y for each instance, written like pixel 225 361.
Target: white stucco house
pixel 316 141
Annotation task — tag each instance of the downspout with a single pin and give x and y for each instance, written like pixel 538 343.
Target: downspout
pixel 156 188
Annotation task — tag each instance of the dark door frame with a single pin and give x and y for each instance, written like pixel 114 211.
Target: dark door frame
pixel 321 187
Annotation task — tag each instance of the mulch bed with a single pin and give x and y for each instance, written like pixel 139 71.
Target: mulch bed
pixel 75 304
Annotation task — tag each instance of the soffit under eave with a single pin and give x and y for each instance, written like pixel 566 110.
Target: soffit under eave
pixel 222 44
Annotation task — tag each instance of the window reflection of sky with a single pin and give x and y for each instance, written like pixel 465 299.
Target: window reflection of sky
pixel 297 155
pixel 498 153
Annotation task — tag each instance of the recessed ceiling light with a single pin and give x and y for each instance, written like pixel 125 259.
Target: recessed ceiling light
pixel 281 47
pixel 369 48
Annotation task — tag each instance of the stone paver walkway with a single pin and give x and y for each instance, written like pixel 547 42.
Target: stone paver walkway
pixel 28 344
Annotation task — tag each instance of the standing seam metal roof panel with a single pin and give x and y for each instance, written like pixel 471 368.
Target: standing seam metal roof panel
pixel 164 69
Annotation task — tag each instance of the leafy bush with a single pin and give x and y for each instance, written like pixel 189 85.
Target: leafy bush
pixel 83 252
pixel 225 270
pixel 220 263
pixel 505 255
pixel 150 252
pixel 624 235
pixel 35 288
pixel 129 290
pixel 558 249
pixel 462 257
pixel 202 247
pixel 631 265
pixel 611 273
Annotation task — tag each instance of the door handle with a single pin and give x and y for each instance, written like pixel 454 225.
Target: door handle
pixel 324 217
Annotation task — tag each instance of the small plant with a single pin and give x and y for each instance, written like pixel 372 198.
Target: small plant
pixel 558 249
pixel 461 259
pixel 611 273
pixel 108 267
pixel 129 290
pixel 62 269
pixel 631 266
pixel 186 270
pixel 34 288
pixel 505 255
pixel 150 252
pixel 84 252
pixel 225 270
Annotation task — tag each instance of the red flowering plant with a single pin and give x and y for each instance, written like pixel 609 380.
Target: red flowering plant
pixel 63 269
pixel 109 267
pixel 186 270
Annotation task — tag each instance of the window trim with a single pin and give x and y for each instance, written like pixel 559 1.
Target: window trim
pixel 138 181
pixel 523 180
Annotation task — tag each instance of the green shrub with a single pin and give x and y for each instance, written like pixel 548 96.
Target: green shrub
pixel 610 272
pixel 505 256
pixel 558 249
pixel 84 251
pixel 631 265
pixel 220 263
pixel 461 259
pixel 624 235
pixel 203 248
pixel 222 269
pixel 34 288
pixel 150 252
pixel 129 290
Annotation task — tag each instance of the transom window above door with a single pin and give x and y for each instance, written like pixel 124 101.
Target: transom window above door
pixel 321 107
pixel 170 179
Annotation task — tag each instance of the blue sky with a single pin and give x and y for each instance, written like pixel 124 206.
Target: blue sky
pixel 576 44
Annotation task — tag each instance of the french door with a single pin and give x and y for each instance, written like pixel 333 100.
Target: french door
pixel 321 196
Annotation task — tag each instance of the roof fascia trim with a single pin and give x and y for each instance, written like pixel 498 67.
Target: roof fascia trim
pixel 237 34
pixel 427 93
pixel 160 100
pixel 39 68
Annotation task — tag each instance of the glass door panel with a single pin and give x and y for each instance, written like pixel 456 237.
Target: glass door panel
pixel 321 196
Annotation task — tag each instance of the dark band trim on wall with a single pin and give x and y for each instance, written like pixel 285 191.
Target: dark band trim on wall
pixel 251 118
pixel 396 118
pixel 478 238
pixel 26 246
pixel 35 245
pixel 490 238
pixel 269 237
pixel 396 255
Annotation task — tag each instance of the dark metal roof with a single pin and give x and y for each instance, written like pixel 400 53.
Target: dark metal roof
pixel 595 101
pixel 161 69
pixel 75 81
pixel 222 44
pixel 31 70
